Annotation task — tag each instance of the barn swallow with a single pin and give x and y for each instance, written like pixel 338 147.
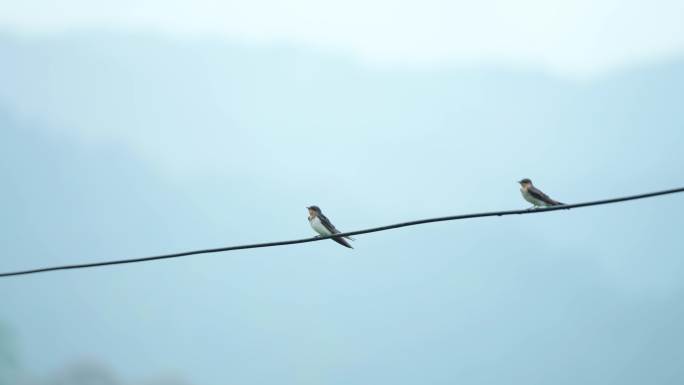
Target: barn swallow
pixel 321 224
pixel 535 196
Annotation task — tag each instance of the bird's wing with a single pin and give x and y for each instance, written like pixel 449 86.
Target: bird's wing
pixel 538 194
pixel 328 225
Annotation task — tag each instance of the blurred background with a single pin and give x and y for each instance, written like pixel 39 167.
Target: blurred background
pixel 136 128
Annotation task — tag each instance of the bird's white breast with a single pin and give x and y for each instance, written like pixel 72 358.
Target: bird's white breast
pixel 318 226
pixel 528 197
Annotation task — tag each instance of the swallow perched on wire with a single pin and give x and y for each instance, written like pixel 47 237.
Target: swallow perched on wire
pixel 536 196
pixel 321 224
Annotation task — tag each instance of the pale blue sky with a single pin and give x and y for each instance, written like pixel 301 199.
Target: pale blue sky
pixel 131 130
pixel 573 38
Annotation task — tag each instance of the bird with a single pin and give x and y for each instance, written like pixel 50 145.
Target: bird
pixel 536 196
pixel 322 225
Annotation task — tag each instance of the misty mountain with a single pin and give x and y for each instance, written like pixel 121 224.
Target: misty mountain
pixel 217 108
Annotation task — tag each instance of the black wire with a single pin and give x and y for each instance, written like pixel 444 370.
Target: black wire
pixel 358 232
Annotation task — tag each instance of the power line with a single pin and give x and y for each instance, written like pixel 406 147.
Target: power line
pixel 358 232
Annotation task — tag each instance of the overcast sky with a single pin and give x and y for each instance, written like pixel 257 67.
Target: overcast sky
pixel 576 38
